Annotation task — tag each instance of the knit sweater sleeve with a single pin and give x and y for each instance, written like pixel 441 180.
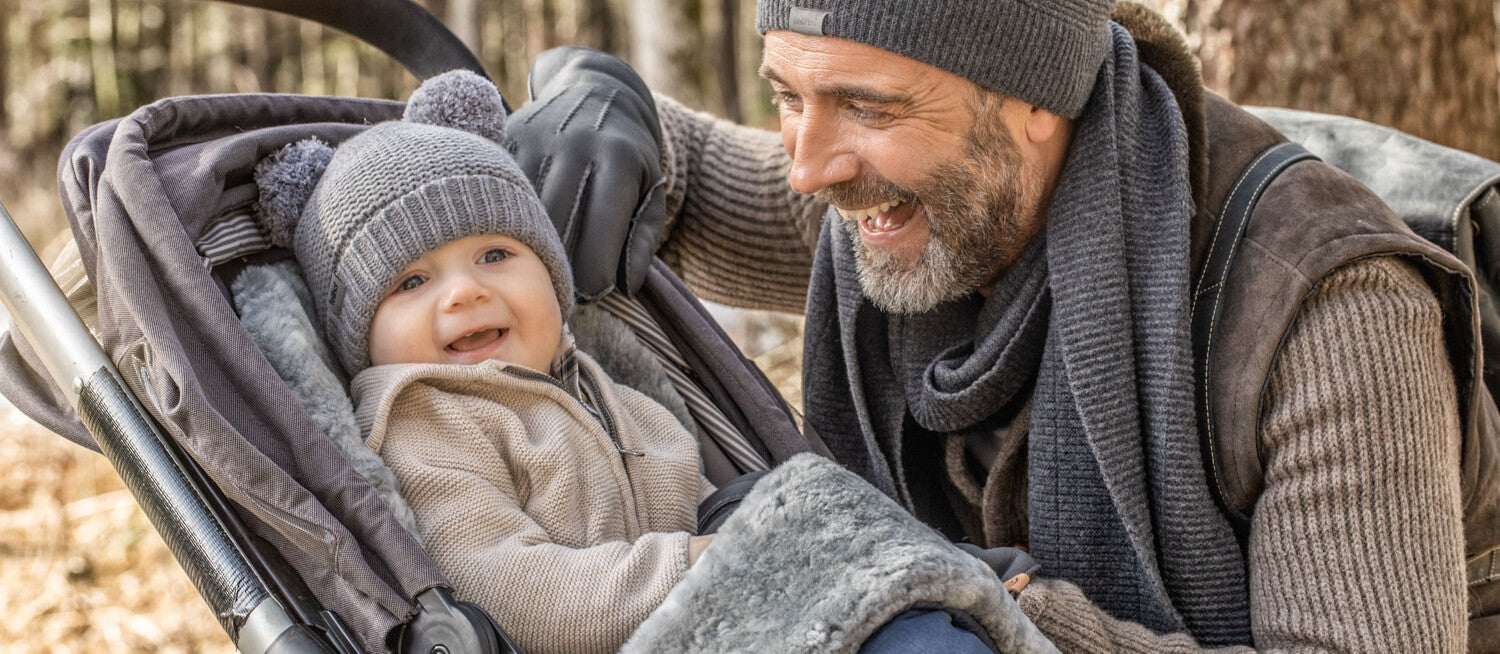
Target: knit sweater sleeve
pixel 471 509
pixel 737 233
pixel 1356 543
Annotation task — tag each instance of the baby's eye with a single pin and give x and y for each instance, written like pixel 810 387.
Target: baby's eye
pixel 410 283
pixel 493 255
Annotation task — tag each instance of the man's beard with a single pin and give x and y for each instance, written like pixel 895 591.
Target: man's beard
pixel 975 206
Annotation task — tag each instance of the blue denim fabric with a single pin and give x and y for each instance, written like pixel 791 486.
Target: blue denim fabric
pixel 920 631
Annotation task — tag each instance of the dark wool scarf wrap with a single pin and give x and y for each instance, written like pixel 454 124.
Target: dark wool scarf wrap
pixel 1096 312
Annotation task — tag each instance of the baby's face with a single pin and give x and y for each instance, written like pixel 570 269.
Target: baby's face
pixel 476 298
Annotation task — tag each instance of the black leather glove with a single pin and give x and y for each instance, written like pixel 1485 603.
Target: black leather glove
pixel 590 141
pixel 1014 566
pixel 715 509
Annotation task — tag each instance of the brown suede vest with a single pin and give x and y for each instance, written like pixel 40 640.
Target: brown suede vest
pixel 1312 219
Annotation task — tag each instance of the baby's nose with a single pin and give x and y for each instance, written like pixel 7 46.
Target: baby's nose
pixel 463 291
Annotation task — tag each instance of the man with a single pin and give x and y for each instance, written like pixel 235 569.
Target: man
pixel 993 210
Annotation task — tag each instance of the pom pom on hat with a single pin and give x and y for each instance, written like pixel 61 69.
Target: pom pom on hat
pixel 460 99
pixel 287 180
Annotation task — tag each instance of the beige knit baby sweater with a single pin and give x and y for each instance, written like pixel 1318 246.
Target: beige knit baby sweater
pixel 569 530
pixel 1356 545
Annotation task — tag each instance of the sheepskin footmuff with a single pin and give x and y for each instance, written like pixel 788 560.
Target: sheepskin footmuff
pixel 816 560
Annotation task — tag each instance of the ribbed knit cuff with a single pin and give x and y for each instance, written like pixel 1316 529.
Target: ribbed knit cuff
pixel 1045 52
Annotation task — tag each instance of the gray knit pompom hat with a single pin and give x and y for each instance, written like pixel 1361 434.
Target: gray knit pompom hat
pixel 1045 52
pixel 358 215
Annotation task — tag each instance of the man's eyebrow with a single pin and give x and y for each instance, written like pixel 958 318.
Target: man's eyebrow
pixel 766 73
pixel 846 91
pixel 865 94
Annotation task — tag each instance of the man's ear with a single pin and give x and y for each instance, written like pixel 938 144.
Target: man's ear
pixel 1042 125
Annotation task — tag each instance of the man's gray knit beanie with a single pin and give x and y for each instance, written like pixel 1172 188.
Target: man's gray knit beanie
pixel 355 217
pixel 1045 52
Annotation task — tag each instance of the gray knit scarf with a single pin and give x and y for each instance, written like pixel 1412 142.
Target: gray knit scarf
pixel 1096 312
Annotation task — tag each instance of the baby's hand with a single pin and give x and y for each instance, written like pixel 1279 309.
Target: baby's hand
pixel 696 545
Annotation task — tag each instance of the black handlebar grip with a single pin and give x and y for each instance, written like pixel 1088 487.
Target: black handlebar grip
pixel 400 28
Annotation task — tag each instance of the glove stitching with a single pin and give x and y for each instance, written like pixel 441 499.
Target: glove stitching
pixel 541 173
pixel 609 103
pixel 635 221
pixel 545 103
pixel 574 111
pixel 570 236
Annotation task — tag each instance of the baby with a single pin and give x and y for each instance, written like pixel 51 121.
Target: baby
pixel 560 502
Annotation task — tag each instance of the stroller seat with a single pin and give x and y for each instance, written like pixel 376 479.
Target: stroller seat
pixel 161 206
pixel 276 310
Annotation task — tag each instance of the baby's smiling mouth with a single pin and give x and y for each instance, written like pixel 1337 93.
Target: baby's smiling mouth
pixel 476 340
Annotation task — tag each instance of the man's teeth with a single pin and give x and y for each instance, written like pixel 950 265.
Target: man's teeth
pixel 867 213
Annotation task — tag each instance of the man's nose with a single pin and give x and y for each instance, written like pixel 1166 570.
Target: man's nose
pixel 819 156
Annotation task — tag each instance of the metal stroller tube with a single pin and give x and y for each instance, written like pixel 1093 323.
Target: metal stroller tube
pixel 150 464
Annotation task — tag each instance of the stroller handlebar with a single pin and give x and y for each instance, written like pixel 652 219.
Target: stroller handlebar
pixel 45 319
pixel 402 29
pixel 153 469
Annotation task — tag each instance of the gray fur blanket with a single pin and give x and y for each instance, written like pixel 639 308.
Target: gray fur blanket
pixel 275 308
pixel 816 560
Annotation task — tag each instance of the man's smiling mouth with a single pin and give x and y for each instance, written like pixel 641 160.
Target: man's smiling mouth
pixel 476 340
pixel 880 218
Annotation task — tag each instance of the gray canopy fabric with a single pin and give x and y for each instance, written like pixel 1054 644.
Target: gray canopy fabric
pixel 139 192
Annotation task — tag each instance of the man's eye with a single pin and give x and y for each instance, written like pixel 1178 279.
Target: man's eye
pixel 494 255
pixel 787 100
pixel 410 283
pixel 868 115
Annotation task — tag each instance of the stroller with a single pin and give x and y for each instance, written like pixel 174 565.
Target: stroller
pixel 141 356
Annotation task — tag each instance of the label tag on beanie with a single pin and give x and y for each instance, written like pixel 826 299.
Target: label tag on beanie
pixel 336 298
pixel 807 21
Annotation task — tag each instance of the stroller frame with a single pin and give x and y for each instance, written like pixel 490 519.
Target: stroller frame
pixel 262 605
pixel 189 514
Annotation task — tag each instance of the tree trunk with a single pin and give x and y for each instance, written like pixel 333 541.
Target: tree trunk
pixel 596 27
pixel 1427 67
pixel 101 20
pixel 728 59
pixel 5 20
pixel 463 20
pixel 509 57
pixel 314 79
pixel 757 106
pixel 541 26
pixel 276 47
pixel 665 47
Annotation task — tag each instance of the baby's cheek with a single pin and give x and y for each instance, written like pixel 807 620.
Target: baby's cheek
pixel 393 334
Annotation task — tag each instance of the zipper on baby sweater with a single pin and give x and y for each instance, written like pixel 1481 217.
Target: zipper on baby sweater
pixel 592 391
pixel 593 406
pixel 588 387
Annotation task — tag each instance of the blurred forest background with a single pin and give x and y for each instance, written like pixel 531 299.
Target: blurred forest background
pixel 83 571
